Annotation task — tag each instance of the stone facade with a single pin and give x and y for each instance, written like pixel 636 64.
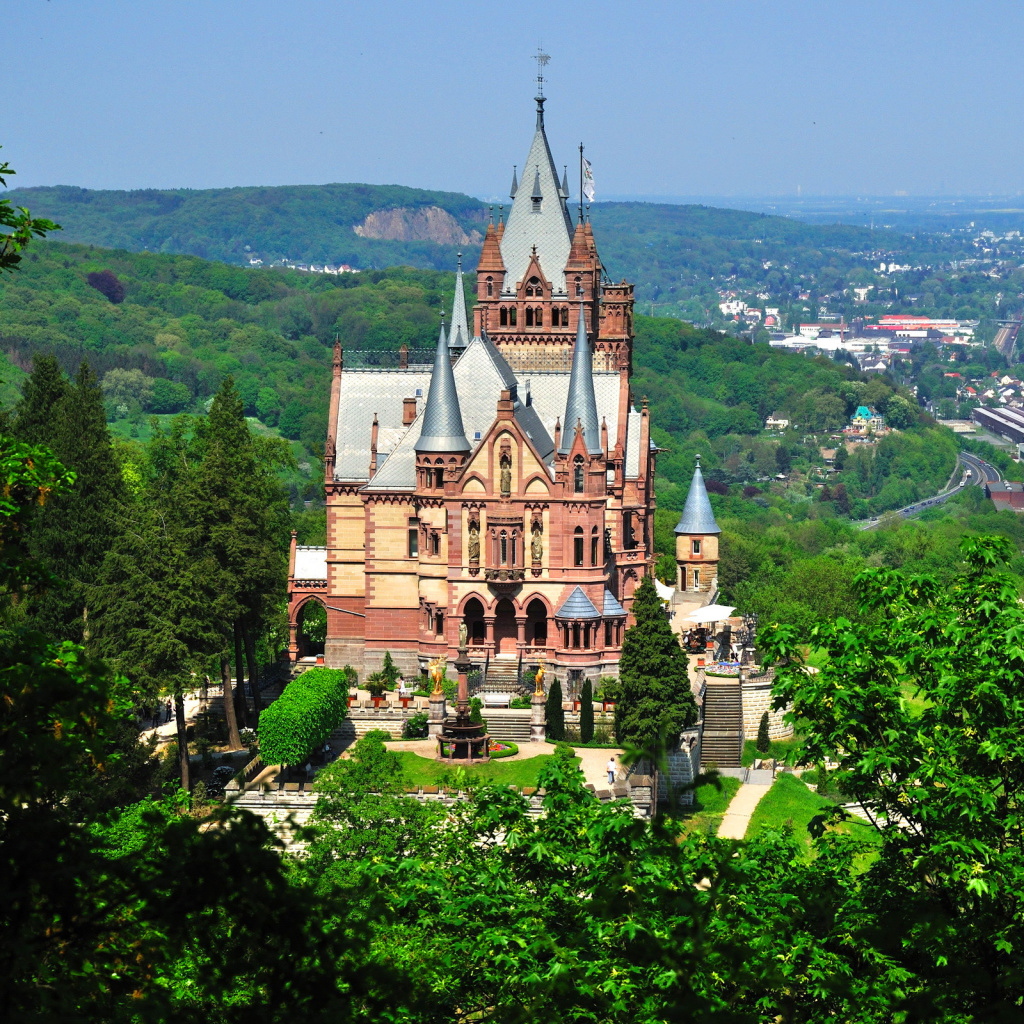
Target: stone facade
pixel 757 699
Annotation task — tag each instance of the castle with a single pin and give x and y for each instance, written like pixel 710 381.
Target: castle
pixel 505 493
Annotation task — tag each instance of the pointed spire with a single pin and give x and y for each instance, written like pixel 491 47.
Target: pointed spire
pixel 698 516
pixel 442 429
pixel 581 402
pixel 565 181
pixel 458 336
pixel 515 184
pixel 537 193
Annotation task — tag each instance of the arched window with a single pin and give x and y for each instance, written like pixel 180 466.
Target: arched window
pixel 577 475
pixel 529 316
pixel 515 546
pixel 593 546
pixel 504 549
pixel 490 287
pixel 533 287
pixel 538 317
pixel 577 543
pixel 504 316
pixel 512 317
pixel 439 623
pixel 579 285
pixel 439 475
pixel 435 544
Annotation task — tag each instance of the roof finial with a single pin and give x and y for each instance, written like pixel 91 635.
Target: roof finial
pixel 491 214
pixel 501 213
pixel 515 184
pixel 542 60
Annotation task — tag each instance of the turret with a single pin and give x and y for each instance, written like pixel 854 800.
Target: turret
pixel 697 539
pixel 442 442
pixel 581 402
pixel 458 336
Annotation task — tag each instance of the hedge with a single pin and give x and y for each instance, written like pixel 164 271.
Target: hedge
pixel 311 707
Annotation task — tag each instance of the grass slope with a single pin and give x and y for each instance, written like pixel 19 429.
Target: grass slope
pixel 422 771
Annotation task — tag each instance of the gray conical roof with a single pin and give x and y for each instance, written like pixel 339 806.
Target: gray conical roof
pixel 550 229
pixel 697 516
pixel 580 402
pixel 458 336
pixel 515 185
pixel 442 429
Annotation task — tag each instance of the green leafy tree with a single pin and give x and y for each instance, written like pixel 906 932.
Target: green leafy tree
pixel 655 698
pixel 587 712
pixel 17 226
pixel 554 713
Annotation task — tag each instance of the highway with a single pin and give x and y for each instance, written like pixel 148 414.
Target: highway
pixel 976 473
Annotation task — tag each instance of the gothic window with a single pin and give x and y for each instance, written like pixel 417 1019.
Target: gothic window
pixel 579 285
pixel 490 287
pixel 696 547
pixel 529 316
pixel 439 623
pixel 512 317
pixel 439 475
pixel 577 475
pixel 538 317
pixel 565 317
pixel 504 548
pixel 593 546
pixel 696 579
pixel 504 317
pixel 578 546
pixel 515 545
pixel 533 287
pixel 435 543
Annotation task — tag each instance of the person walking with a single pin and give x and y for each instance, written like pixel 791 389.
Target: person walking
pixel 611 770
pixel 169 710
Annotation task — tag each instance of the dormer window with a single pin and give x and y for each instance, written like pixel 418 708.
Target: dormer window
pixel 536 203
pixel 533 287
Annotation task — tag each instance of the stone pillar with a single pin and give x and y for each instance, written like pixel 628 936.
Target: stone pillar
pixel 438 715
pixel 293 642
pixel 538 728
pixel 521 631
pixel 489 634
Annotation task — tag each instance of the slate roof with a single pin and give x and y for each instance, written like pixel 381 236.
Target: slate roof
pixel 550 229
pixel 578 606
pixel 442 429
pixel 310 563
pixel 580 401
pixel 697 516
pixel 612 609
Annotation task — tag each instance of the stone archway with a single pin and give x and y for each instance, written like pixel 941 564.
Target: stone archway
pixel 537 623
pixel 311 628
pixel 505 632
pixel 473 615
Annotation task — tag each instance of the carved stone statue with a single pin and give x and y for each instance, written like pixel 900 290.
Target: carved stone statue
pixel 474 542
pixel 463 634
pixel 506 476
pixel 537 545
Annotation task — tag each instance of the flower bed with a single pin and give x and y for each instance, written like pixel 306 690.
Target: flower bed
pixel 499 749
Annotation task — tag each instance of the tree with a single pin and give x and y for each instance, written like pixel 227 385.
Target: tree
pixel 655 699
pixel 764 743
pixel 842 499
pixel 783 461
pixel 18 226
pixel 106 283
pixel 554 713
pixel 587 712
pixel 125 388
pixel 44 389
pixel 939 774
pixel 899 413
pixel 169 396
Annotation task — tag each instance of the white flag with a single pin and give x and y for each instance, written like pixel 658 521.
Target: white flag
pixel 588 181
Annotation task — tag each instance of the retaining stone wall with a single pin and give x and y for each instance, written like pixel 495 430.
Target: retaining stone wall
pixel 757 699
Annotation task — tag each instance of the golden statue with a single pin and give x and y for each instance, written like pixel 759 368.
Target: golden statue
pixel 436 670
pixel 539 678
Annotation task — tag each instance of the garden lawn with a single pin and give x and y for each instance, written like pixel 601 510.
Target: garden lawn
pixel 422 771
pixel 790 802
pixel 709 805
pixel 780 750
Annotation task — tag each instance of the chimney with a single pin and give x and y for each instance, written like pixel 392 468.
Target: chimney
pixel 408 411
pixel 403 357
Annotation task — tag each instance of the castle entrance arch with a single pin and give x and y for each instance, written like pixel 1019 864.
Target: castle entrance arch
pixel 311 632
pixel 505 633
pixel 473 614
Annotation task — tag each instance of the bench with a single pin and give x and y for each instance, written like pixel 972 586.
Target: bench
pixel 496 700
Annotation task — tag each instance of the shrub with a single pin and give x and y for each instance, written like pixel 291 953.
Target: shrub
pixel 520 703
pixel 764 743
pixel 415 726
pixel 587 712
pixel 554 715
pixel 511 748
pixel 376 684
pixel 476 713
pixel 564 750
pixel 300 720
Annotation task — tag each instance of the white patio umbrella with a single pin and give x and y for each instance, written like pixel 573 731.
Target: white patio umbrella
pixel 711 613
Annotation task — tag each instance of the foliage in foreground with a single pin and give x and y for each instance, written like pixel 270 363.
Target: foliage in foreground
pixel 311 707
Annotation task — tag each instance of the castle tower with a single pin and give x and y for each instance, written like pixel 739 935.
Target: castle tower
pixel 442 446
pixel 697 540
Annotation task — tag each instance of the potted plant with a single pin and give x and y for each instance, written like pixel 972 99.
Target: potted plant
pixel 376 684
pixel 319 660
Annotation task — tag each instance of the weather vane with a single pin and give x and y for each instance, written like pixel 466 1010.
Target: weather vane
pixel 542 60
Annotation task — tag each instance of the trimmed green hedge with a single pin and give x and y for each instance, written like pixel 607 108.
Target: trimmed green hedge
pixel 513 748
pixel 312 706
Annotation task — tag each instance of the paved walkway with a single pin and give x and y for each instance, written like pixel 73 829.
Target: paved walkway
pixel 741 807
pixel 167 731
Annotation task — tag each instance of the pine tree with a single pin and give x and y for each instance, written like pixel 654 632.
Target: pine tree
pixel 764 743
pixel 554 713
pixel 72 533
pixel 587 712
pixel 389 670
pixel 655 700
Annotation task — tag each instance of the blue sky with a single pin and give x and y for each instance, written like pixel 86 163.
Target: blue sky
pixel 713 98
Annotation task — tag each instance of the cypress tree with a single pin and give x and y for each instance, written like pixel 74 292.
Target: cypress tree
pixel 554 713
pixel 655 701
pixel 73 532
pixel 764 743
pixel 587 712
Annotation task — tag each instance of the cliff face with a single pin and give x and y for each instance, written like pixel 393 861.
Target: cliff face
pixel 425 224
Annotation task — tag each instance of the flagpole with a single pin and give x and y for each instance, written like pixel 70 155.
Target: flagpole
pixel 581 182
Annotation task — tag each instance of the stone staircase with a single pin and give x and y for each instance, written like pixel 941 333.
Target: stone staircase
pixel 722 740
pixel 508 724
pixel 502 676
